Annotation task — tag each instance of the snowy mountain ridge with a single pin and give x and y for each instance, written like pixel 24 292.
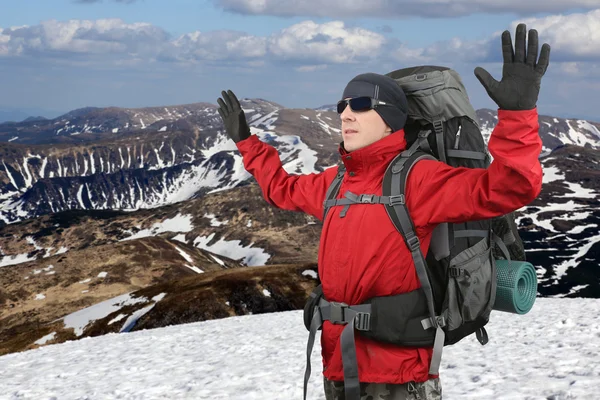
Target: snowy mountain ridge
pixel 148 166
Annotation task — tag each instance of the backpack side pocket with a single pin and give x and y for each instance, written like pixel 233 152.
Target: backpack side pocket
pixel 470 285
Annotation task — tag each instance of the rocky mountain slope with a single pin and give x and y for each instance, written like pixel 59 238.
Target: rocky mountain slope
pixel 236 223
pixel 61 263
pixel 212 295
pixel 561 228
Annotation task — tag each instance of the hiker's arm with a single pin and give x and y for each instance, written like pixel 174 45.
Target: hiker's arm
pixel 514 178
pixel 289 192
pixel 286 191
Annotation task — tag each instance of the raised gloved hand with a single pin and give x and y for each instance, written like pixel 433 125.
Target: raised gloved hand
pixel 233 117
pixel 522 72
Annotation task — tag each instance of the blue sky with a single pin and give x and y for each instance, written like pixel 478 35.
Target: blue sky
pixel 59 55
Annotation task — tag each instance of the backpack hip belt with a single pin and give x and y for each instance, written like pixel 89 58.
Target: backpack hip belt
pixel 404 321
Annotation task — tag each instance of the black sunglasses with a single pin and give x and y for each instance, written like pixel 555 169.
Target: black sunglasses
pixel 359 104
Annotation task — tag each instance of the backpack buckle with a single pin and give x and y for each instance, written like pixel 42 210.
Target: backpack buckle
pixel 366 198
pixel 454 272
pixel 395 200
pixel 441 321
pixel 413 242
pixel 362 321
pixel 336 312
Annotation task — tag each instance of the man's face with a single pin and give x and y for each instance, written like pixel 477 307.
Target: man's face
pixel 362 128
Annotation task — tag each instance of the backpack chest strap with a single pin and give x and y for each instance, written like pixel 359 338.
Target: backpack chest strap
pixel 351 198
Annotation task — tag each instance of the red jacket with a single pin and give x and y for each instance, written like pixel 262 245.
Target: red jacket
pixel 363 255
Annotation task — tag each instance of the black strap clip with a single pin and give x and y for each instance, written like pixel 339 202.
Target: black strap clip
pixel 366 198
pixel 337 312
pixel 413 242
pixel 396 200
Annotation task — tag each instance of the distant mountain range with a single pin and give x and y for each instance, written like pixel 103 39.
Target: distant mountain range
pixel 101 202
pixel 115 158
pixel 12 114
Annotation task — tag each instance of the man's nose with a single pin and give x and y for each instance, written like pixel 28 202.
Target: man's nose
pixel 347 114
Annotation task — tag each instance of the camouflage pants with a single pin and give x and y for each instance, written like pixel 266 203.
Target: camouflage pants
pixel 428 390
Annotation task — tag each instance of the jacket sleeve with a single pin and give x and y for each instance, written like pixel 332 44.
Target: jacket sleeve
pixel 304 193
pixel 442 193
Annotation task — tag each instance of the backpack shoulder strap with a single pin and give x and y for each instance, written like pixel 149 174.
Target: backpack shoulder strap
pixel 394 183
pixel 333 189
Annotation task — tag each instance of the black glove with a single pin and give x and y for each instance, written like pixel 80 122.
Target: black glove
pixel 521 75
pixel 233 117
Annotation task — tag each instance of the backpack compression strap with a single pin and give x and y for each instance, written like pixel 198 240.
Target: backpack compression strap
pixel 438 126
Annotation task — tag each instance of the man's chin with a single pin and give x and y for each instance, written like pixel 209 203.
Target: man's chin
pixel 350 144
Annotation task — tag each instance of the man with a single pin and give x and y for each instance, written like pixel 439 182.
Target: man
pixel 361 254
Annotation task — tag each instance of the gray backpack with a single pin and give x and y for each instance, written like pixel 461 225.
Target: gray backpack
pixel 458 276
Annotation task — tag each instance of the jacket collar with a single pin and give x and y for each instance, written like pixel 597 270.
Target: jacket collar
pixel 374 158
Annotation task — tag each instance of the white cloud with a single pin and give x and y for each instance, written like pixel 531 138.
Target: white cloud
pixel 575 36
pixel 306 46
pixel 125 43
pixel 399 8
pixel 4 40
pixel 580 69
pixel 218 45
pixel 449 51
pixel 304 43
pixel 311 68
pixel 82 36
pixel 571 68
pixel 574 39
pixel 404 54
pixel 330 42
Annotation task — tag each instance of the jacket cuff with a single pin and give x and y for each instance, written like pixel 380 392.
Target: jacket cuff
pixel 246 144
pixel 517 114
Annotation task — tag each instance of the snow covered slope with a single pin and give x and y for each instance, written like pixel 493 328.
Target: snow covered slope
pixel 551 353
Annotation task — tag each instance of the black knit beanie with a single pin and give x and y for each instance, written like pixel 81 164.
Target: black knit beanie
pixel 385 89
